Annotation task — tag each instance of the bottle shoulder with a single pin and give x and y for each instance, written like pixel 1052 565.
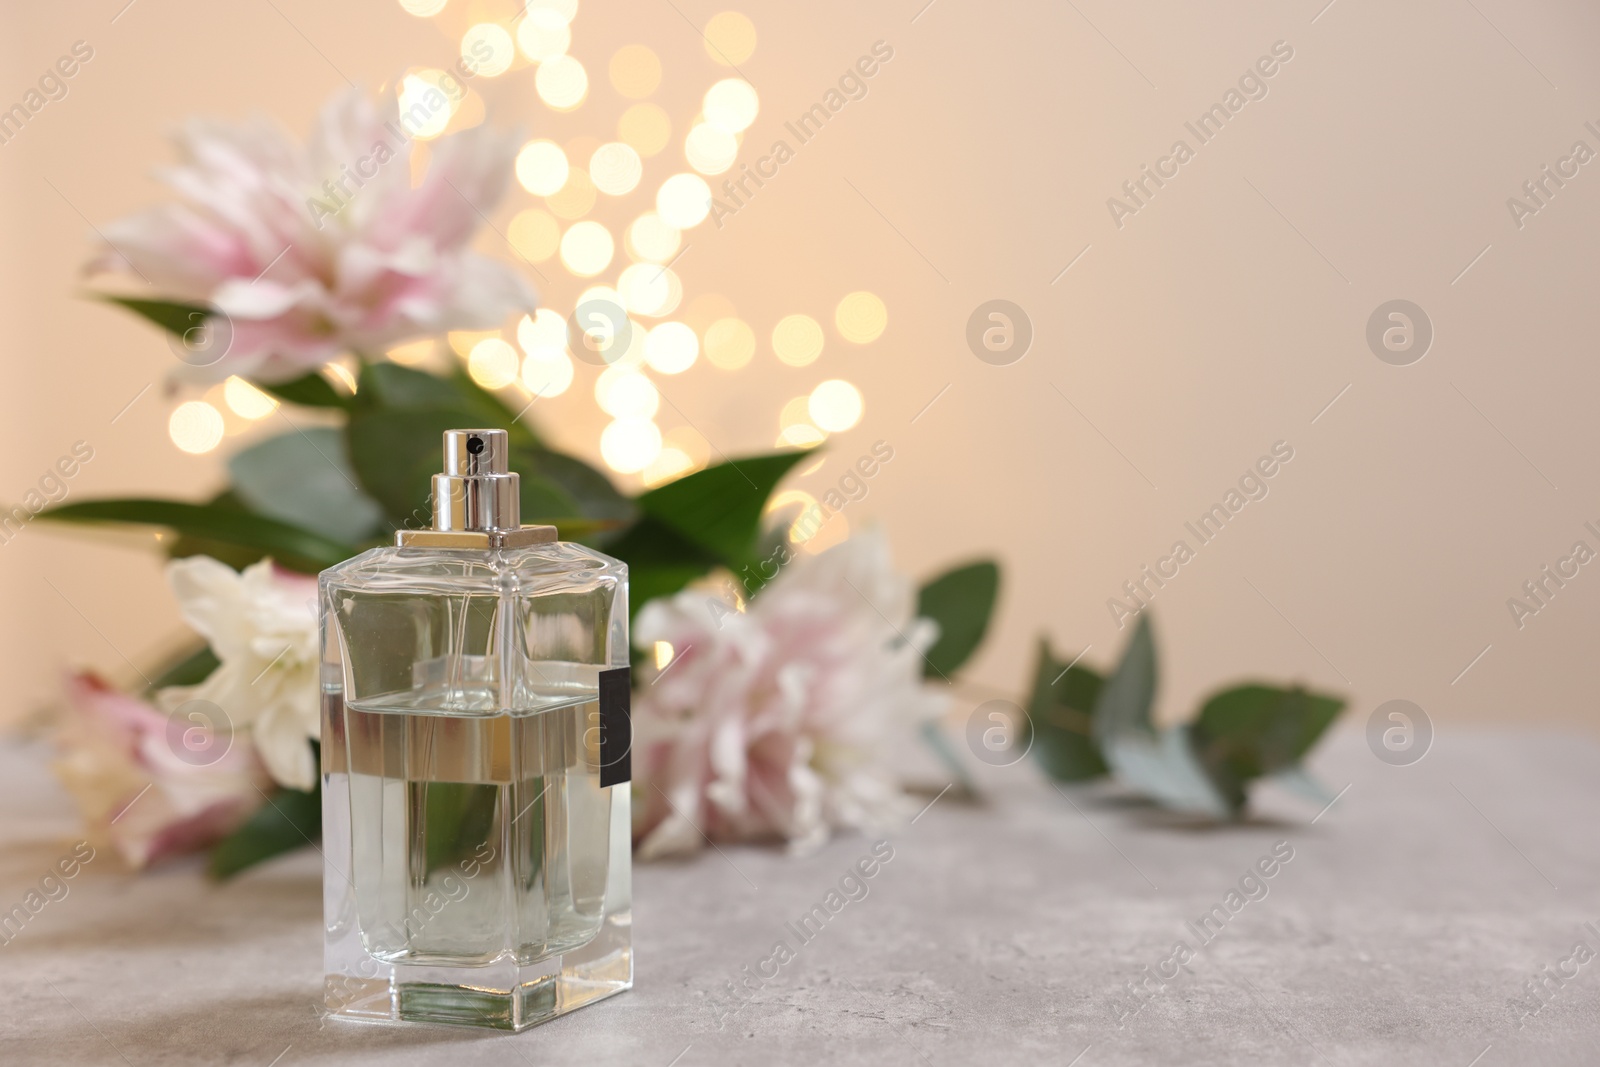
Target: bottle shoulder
pixel 559 564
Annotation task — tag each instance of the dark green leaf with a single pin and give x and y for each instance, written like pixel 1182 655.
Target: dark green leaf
pixel 302 477
pixel 648 582
pixel 543 501
pixel 660 561
pixel 459 818
pixel 1249 731
pixel 1061 716
pixel 393 387
pixel 389 385
pixel 500 414
pixel 289 820
pixel 592 491
pixel 396 453
pixel 290 545
pixel 393 440
pixel 773 552
pixel 581 530
pixel 719 508
pixel 236 556
pixel 191 669
pixel 176 318
pixel 961 601
pixel 312 391
pixel 1280 723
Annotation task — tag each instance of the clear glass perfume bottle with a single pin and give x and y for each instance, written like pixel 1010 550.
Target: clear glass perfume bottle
pixel 475 764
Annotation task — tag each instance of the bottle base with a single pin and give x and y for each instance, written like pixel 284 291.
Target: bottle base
pixel 500 996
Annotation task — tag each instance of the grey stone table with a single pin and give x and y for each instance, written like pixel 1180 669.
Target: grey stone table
pixel 1412 913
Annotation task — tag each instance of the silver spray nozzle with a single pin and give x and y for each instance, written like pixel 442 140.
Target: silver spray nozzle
pixel 477 500
pixel 477 490
pixel 476 453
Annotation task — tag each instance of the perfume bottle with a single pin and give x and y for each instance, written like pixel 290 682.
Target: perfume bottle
pixel 475 764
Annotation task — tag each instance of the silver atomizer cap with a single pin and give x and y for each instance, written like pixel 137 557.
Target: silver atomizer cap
pixel 477 490
pixel 477 499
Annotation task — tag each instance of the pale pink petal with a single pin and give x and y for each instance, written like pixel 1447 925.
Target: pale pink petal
pixel 142 783
pixel 319 250
pixel 779 720
pixel 240 298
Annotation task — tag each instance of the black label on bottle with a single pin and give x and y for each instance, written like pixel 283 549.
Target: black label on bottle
pixel 616 728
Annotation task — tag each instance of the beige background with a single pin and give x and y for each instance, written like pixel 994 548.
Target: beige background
pixel 1221 318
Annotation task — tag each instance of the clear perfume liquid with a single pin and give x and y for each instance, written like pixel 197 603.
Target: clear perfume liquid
pixel 479 837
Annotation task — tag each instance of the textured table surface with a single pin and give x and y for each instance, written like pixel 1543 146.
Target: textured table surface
pixel 1411 913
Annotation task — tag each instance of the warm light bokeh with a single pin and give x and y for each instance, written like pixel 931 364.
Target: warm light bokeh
pixel 615 168
pixel 730 343
pixel 493 363
pixel 635 71
pixel 797 340
pixel 562 82
pixel 730 38
pixel 646 127
pixel 586 248
pixel 195 427
pixel 684 201
pixel 488 49
pixel 861 317
pixel 534 234
pixel 542 167
pixel 731 105
pixel 835 405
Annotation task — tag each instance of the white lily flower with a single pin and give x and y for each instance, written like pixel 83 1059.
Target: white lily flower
pixel 262 625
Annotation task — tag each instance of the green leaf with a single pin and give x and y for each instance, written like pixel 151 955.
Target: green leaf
pixel 459 817
pixel 1297 781
pixel 192 669
pixel 773 552
pixel 591 491
pixel 961 601
pixel 302 477
pixel 543 501
pixel 1278 724
pixel 396 453
pixel 312 391
pixel 236 556
pixel 393 387
pixel 389 385
pixel 660 561
pixel 393 438
pixel 1252 730
pixel 1168 771
pixel 291 546
pixel 648 582
pixel 289 820
pixel 1164 765
pixel 1061 717
pixel 174 317
pixel 719 508
pixel 499 413
pixel 1123 707
pixel 581 530
pixel 938 743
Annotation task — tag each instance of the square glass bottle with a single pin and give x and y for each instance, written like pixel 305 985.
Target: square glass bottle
pixel 475 764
